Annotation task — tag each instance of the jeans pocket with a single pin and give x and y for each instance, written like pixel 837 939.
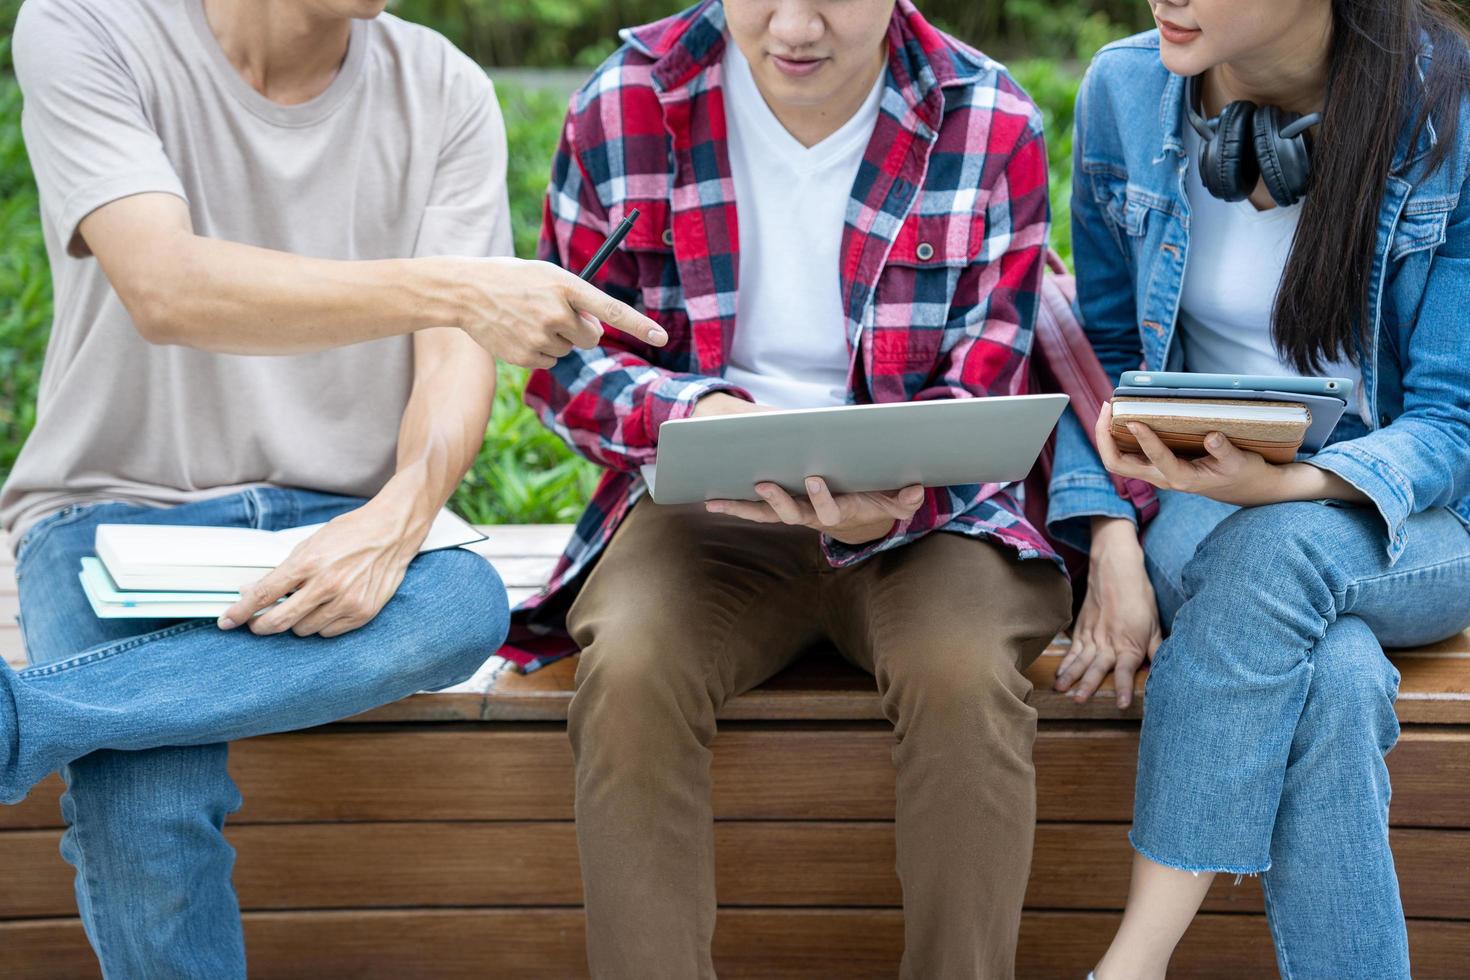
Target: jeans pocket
pixel 39 530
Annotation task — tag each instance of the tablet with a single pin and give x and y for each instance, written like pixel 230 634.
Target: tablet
pixel 1330 387
pixel 856 448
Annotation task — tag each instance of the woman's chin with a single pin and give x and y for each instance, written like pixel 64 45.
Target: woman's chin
pixel 1183 62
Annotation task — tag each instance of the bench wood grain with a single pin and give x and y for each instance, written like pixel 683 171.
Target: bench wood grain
pixel 760 944
pixel 1084 772
pixel 1076 866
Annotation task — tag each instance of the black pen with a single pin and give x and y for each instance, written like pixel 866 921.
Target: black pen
pixel 609 246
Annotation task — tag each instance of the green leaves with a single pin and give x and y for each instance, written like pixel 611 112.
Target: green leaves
pixel 524 474
pixel 533 120
pixel 25 281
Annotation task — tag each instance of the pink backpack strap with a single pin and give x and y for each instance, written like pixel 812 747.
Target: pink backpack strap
pixel 1063 361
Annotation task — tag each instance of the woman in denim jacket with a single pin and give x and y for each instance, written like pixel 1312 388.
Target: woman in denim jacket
pixel 1270 705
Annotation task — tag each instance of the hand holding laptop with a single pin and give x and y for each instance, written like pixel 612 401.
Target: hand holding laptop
pixel 852 518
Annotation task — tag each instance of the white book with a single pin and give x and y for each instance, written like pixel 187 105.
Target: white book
pixel 1178 408
pixel 180 558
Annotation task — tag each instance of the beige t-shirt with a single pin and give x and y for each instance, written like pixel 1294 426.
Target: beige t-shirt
pixel 402 155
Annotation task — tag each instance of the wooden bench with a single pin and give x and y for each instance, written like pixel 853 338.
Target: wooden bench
pixel 433 837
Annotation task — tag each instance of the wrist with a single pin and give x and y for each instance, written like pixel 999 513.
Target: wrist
pixel 866 534
pixel 409 501
pixel 1298 481
pixel 435 290
pixel 1114 534
pixel 720 403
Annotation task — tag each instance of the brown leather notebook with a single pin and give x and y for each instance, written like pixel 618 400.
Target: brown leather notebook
pixel 1273 429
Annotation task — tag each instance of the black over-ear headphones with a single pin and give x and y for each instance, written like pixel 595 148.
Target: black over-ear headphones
pixel 1246 143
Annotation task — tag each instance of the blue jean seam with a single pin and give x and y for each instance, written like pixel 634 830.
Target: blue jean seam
pixel 110 650
pixel 1283 960
pixel 1407 573
pixel 1150 563
pixel 84 872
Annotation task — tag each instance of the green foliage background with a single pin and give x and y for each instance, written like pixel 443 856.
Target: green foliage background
pixel 523 473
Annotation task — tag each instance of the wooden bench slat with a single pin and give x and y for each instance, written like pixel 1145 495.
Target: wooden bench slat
pixel 759 863
pixel 523 540
pixel 761 772
pixel 547 944
pixel 1435 690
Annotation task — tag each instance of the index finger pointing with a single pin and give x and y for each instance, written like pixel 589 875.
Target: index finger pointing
pixel 587 298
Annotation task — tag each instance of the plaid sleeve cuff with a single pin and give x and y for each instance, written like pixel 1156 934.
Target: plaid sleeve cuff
pixel 675 396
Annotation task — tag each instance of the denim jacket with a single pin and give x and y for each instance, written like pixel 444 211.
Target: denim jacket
pixel 1130 220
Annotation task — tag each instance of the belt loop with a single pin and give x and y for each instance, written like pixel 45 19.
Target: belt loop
pixel 254 507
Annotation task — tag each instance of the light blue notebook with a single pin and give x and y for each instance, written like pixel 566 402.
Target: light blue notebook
pixel 110 602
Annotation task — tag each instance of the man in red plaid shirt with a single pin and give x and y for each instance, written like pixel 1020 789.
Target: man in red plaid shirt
pixel 890 189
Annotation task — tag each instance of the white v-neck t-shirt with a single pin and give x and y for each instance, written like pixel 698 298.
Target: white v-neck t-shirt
pixel 1237 256
pixel 790 347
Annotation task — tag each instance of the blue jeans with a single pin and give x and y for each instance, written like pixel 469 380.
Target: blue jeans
pixel 135 714
pixel 1270 708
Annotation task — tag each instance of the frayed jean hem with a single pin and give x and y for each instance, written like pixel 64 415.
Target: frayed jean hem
pixel 1253 869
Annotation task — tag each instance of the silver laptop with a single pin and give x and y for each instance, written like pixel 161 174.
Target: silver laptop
pixel 857 448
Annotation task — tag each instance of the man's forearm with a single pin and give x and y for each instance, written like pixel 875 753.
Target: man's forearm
pixel 239 299
pixel 186 289
pixel 443 426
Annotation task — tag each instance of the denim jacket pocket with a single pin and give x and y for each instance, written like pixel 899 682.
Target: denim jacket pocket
pixel 1125 209
pixel 1419 229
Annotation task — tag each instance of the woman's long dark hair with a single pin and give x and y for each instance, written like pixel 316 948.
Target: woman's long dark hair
pixel 1373 93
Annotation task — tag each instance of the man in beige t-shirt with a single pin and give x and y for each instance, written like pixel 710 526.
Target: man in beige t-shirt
pixel 279 240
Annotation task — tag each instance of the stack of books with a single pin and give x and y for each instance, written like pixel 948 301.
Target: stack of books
pixel 1274 429
pixel 170 571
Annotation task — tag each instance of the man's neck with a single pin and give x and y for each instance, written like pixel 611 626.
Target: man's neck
pixel 1291 73
pixel 809 125
pixel 284 52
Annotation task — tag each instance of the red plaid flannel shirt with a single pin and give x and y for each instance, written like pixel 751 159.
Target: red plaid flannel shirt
pixel 942 259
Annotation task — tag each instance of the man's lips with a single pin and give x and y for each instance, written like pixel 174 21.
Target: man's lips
pixel 1175 34
pixel 798 67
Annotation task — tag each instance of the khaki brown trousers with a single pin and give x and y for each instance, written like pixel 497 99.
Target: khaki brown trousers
pixel 688 609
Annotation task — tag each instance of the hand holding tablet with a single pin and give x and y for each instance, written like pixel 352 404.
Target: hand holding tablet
pixel 1277 417
pixel 1192 412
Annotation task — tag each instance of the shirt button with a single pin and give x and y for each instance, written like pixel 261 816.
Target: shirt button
pixel 925 251
pixel 1383 420
pixel 669 237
